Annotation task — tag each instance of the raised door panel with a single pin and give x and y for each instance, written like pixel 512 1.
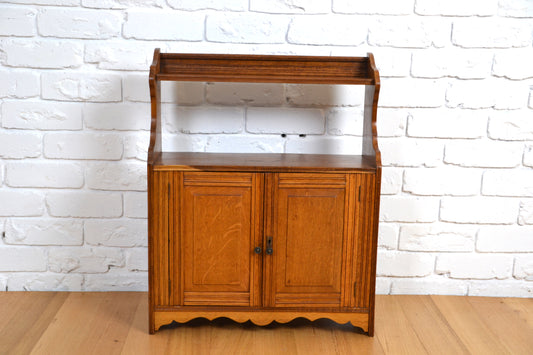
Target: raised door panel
pixel 309 240
pixel 220 228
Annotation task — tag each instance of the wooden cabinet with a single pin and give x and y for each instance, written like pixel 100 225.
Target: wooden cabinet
pixel 263 237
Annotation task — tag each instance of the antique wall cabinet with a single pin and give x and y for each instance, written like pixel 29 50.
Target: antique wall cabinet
pixel 263 237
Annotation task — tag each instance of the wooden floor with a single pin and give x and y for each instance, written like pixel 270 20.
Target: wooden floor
pixel 116 323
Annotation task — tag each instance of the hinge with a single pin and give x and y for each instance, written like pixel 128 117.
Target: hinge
pixel 169 288
pixel 355 289
pixel 169 190
pixel 359 194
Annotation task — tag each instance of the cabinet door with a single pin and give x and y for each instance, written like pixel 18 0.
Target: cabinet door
pixel 221 216
pixel 310 231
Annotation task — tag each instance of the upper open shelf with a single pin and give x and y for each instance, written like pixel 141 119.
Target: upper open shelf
pixel 266 69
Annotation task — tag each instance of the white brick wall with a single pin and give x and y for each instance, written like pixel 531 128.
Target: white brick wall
pixel 455 124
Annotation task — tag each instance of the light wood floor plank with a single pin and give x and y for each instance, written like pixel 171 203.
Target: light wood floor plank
pixel 394 331
pixel 32 316
pixel 467 324
pixel 512 332
pixel 92 323
pixel 117 323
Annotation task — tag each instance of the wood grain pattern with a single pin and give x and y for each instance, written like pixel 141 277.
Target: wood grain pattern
pixel 117 323
pixel 214 216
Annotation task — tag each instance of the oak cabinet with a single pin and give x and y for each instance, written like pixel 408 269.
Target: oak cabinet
pixel 263 237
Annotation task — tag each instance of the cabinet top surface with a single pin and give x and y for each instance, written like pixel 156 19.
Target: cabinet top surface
pixel 264 162
pixel 265 68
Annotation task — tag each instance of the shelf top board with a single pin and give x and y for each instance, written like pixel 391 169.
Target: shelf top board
pixel 264 162
pixel 265 68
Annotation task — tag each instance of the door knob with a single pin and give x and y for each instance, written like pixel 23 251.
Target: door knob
pixel 257 250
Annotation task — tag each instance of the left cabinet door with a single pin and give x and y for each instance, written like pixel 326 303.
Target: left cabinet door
pixel 221 219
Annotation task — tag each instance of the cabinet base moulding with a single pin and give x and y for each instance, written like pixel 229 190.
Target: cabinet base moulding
pixel 260 318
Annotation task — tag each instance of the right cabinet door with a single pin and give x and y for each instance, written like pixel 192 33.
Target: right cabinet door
pixel 311 227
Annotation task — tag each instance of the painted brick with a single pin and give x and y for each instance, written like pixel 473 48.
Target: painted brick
pixel 44 282
pixel 402 264
pixel 345 121
pixel 457 7
pixel 184 93
pixel 285 120
pixel 227 5
pixel 290 6
pixel 523 267
pixel 116 233
pixel 17 145
pixel 388 236
pixel 239 144
pixel 376 7
pixel 516 8
pixel 483 210
pixel 48 2
pixel 405 32
pixel 84 260
pixel 324 95
pixel 327 30
pixel 18 84
pixel 117 282
pixel 198 143
pixel 245 93
pixel 17 21
pixel 84 204
pixel 246 28
pixel 22 259
pixel 21 203
pixel 446 123
pixel 74 86
pixel 323 145
pixel 120 55
pixel 121 4
pixel 505 239
pixel 411 152
pixel 203 119
pixel 481 153
pixel 135 205
pixel 121 117
pixel 490 33
pixel 442 181
pixel 437 237
pixel 474 266
pixel 43 54
pixel 382 286
pixel 428 286
pixel 116 176
pixel 392 62
pixel 55 175
pixel 41 115
pixel 412 93
pixel 391 181
pixel 104 146
pixel 511 126
pixel 137 259
pixel 79 23
pixel 30 231
pixel 513 64
pixel 164 25
pixel 508 183
pixel 136 146
pixel 528 156
pixel 409 209
pixel 501 289
pixel 392 122
pixel 446 63
pixel 498 94
pixel 526 212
